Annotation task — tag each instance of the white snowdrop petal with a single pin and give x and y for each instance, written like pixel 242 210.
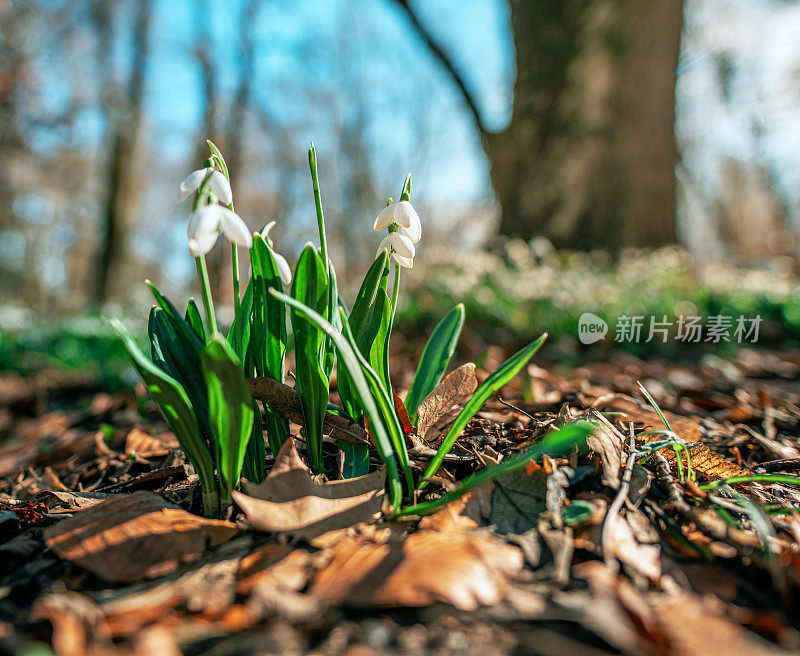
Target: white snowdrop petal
pixel 406 262
pixel 191 183
pixel 405 215
pixel 221 188
pixel 385 218
pixel 283 268
pixel 414 233
pixel 386 244
pixel 204 229
pixel 401 244
pixel 234 227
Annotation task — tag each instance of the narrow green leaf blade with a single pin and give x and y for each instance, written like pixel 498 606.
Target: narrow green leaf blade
pixel 555 443
pixel 435 357
pixel 501 376
pixel 194 320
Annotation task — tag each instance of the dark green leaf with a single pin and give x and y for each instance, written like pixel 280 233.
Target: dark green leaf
pixel 194 320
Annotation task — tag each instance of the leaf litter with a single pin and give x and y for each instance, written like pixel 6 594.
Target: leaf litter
pixel 103 551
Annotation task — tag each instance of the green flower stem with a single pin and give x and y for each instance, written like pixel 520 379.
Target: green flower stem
pixel 395 294
pixel 208 302
pixel 323 242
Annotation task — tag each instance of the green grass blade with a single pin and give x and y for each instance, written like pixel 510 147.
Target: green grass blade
pixel 254 468
pixel 239 335
pixel 555 443
pixel 348 357
pixel 500 377
pixel 435 357
pixel 177 410
pixel 231 410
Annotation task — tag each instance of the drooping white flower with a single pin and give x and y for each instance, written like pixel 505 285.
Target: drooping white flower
pixel 400 247
pixel 404 215
pixel 217 183
pixel 283 268
pixel 206 224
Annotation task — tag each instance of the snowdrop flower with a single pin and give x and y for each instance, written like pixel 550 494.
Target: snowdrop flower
pixel 206 224
pixel 218 185
pixel 404 215
pixel 400 247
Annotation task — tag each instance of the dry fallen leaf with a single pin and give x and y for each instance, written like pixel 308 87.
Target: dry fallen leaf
pixel 129 538
pixel 464 570
pixel 144 445
pixel 291 500
pixel 632 540
pixel 606 441
pixel 458 386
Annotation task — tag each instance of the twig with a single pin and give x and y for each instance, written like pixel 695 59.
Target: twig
pixel 613 510
pixel 513 407
pixel 675 500
pixel 786 464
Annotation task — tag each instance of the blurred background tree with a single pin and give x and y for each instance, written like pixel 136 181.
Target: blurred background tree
pixel 598 125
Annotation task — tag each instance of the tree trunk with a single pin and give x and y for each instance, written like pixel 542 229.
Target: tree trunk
pixel 124 113
pixel 588 156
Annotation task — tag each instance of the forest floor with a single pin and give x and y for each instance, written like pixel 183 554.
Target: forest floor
pixel 103 549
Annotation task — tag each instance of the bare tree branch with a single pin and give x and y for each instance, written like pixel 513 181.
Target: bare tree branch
pixel 444 59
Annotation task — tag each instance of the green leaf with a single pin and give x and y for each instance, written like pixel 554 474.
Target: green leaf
pixel 356 459
pixel 177 410
pixel 215 151
pixel 554 443
pixel 231 410
pixel 239 334
pixel 349 357
pixel 435 357
pixel 311 382
pixel 500 377
pixel 373 340
pixel 177 349
pixel 194 320
pixel 576 512
pixel 254 466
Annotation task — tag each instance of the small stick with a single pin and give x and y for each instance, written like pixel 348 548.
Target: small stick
pixel 513 407
pixel 785 464
pixel 622 494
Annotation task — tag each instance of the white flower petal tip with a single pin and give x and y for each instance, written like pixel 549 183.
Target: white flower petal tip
pixel 192 183
pixel 206 224
pixel 221 188
pixel 385 218
pixel 400 248
pixel 407 218
pixel 283 268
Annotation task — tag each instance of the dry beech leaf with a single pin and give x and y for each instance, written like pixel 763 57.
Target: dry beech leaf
pixel 129 538
pixel 606 441
pixel 632 540
pixel 144 445
pixel 291 500
pixel 464 570
pixel 458 386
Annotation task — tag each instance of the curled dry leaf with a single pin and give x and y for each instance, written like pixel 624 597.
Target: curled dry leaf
pixel 606 441
pixel 291 500
pixel 464 570
pixel 128 538
pixel 144 445
pixel 632 540
pixel 458 386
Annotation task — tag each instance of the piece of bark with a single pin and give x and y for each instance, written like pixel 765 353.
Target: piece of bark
pixel 284 399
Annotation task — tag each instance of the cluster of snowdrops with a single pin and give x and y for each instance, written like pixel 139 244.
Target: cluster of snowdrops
pixel 199 376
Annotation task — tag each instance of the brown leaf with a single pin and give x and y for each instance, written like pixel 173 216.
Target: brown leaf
pixel 458 386
pixel 144 445
pixel 464 570
pixel 606 441
pixel 632 540
pixel 128 538
pixel 291 500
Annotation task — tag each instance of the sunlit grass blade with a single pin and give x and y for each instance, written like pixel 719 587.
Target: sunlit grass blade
pixel 435 357
pixel 349 359
pixel 239 334
pixel 678 450
pixel 555 443
pixel 311 383
pixel 177 410
pixel 786 479
pixel 231 411
pixel 500 377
